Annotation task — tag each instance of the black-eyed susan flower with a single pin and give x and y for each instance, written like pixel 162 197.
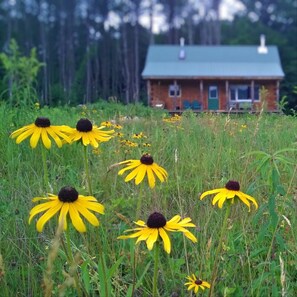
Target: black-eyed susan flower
pixel 195 284
pixel 107 124
pixel 231 190
pixel 119 134
pixel 156 226
pixel 139 135
pixel 68 201
pixel 88 133
pixel 141 168
pixel 43 129
pixel 117 126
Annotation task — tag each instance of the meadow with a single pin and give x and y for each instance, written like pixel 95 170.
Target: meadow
pixel 257 248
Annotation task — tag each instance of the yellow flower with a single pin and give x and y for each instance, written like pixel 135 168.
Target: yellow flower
pixel 157 226
pixel 42 128
pixel 67 201
pixel 146 144
pixel 230 191
pixel 117 126
pixel 89 133
pixel 195 284
pixel 142 167
pixel 138 135
pixel 106 124
pixel 120 134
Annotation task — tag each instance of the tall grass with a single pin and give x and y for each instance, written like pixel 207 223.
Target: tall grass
pixel 200 153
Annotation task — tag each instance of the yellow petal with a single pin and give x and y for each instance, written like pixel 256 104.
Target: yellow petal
pixel 47 216
pixel 95 206
pixel 175 219
pixel 191 236
pixel 46 141
pixel 140 223
pixel 158 172
pixel 35 137
pixel 160 169
pixel 205 284
pixel 19 131
pixel 141 173
pixel 133 235
pixel 24 135
pixel 63 215
pixel 145 234
pixel 221 201
pixel 85 138
pixel 166 240
pixel 218 197
pixel 132 174
pixel 92 219
pixel 240 195
pixel 151 178
pixel 210 192
pixel 231 193
pixel 87 198
pixel 152 239
pixel 251 199
pixel 40 208
pixel 51 132
pixel 76 219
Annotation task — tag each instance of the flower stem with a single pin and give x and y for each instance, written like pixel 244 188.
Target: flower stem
pixel 86 163
pixel 72 262
pixel 102 262
pixel 45 170
pixel 218 251
pixel 156 268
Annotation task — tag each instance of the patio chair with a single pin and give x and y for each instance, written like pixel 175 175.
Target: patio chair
pixel 186 104
pixel 196 105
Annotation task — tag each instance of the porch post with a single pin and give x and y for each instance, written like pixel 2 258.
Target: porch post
pixel 175 97
pixel 148 87
pixel 201 94
pixel 277 94
pixel 252 93
pixel 227 94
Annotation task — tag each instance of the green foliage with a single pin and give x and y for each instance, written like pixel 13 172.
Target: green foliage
pixel 200 153
pixel 20 76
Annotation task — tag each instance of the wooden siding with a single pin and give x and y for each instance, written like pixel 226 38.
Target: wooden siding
pixel 197 90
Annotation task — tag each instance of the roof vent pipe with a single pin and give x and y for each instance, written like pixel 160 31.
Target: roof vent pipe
pixel 262 49
pixel 182 53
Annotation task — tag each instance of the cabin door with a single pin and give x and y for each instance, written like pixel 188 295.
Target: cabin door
pixel 213 98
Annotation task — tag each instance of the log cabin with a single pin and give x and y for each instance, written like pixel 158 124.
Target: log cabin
pixel 213 78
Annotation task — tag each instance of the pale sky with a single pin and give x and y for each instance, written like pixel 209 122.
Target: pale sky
pixel 227 10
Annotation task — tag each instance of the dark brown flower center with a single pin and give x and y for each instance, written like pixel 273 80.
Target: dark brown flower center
pixel 232 185
pixel 156 220
pixel 84 125
pixel 42 122
pixel 147 159
pixel 68 194
pixel 198 282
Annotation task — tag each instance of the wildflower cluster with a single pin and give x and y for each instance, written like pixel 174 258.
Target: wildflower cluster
pixel 71 206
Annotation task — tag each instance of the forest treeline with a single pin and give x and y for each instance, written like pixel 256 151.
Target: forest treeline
pixel 87 50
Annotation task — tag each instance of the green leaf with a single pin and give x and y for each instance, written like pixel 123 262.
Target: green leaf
pixel 86 276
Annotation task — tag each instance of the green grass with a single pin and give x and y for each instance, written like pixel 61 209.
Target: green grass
pixel 201 153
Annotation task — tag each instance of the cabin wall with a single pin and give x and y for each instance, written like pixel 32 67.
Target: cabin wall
pixel 197 89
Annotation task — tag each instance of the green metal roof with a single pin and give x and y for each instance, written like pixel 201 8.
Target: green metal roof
pixel 212 61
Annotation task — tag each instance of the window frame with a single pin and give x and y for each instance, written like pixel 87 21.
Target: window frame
pixel 176 90
pixel 236 87
pixel 216 89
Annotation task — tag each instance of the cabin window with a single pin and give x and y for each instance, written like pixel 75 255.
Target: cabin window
pixel 174 91
pixel 213 92
pixel 243 93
